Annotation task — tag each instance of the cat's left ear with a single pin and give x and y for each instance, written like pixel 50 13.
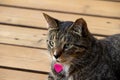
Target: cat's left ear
pixel 52 22
pixel 80 27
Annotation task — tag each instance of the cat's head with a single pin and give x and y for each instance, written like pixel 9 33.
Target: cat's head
pixel 67 40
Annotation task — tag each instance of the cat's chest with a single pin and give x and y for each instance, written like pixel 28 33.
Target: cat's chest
pixel 70 78
pixel 66 70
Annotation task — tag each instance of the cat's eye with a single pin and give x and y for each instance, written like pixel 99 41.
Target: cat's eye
pixel 51 43
pixel 67 46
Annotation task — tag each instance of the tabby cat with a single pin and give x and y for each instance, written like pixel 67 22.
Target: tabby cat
pixel 77 55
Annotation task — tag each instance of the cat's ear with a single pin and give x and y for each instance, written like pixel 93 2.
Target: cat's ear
pixel 80 27
pixel 52 22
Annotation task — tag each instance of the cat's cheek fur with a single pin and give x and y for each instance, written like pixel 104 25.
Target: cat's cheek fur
pixel 53 59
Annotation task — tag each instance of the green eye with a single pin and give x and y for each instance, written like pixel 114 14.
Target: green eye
pixel 67 46
pixel 51 43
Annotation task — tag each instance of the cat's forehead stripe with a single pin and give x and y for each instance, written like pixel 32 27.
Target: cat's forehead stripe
pixel 65 25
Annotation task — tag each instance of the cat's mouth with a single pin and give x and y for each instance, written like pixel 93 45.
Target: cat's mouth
pixel 62 61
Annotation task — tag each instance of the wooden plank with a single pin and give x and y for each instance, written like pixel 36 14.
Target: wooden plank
pixel 18 75
pixel 97 25
pixel 101 8
pixel 32 37
pixel 26 58
pixel 23 36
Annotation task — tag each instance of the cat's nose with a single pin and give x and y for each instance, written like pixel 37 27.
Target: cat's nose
pixel 56 56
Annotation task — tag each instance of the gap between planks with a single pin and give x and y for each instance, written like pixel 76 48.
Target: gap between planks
pixel 24 70
pixel 6 74
pixel 112 0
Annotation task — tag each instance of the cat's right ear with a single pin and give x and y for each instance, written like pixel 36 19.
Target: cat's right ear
pixel 80 27
pixel 52 22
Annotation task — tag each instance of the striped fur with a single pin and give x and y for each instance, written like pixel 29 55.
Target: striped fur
pixel 83 56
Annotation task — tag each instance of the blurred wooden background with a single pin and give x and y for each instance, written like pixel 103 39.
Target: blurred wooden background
pixel 23 53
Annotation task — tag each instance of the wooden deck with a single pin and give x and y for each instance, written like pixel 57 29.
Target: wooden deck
pixel 23 53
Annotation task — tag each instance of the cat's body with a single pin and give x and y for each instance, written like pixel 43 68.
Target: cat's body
pixel 83 57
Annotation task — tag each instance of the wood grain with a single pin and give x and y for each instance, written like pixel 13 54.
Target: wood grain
pixel 26 58
pixel 18 75
pixel 23 36
pixel 36 19
pixel 90 7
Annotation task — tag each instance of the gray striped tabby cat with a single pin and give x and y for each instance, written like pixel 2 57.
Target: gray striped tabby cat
pixel 77 55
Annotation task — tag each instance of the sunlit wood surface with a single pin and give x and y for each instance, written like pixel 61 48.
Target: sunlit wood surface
pixel 23 29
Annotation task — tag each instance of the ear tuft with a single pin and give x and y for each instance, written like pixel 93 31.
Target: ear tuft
pixel 52 22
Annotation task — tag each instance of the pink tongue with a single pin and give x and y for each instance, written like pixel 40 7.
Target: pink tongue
pixel 58 67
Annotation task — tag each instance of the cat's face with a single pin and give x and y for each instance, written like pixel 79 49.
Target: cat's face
pixel 67 40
